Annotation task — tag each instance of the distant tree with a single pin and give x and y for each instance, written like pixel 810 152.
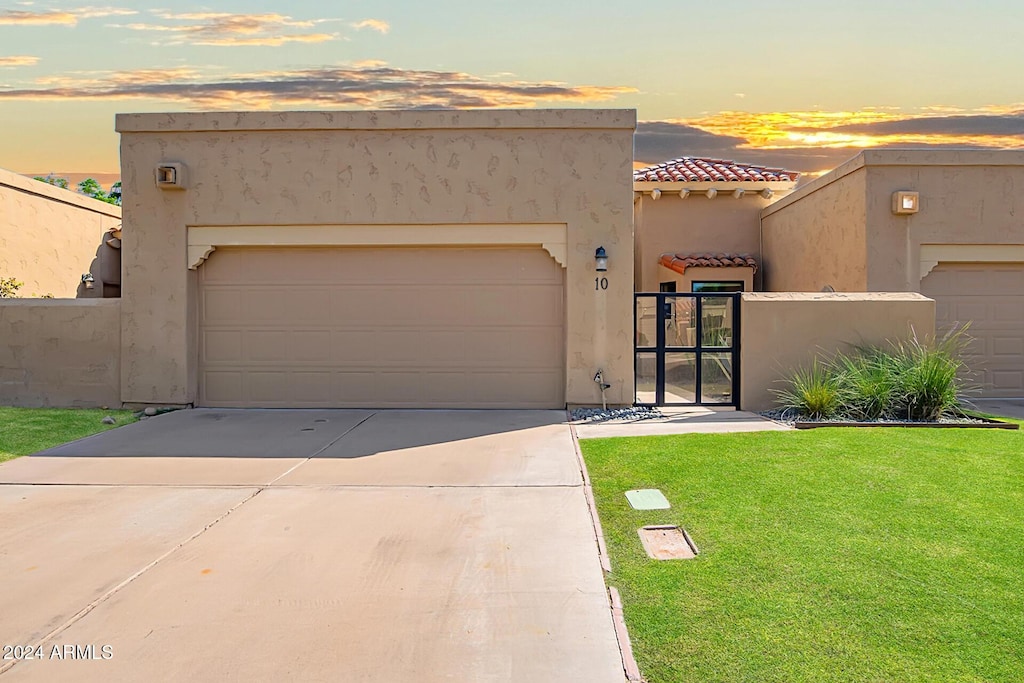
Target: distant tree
pixel 90 188
pixel 54 180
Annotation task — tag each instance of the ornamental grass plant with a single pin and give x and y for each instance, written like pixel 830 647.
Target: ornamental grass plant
pixel 919 380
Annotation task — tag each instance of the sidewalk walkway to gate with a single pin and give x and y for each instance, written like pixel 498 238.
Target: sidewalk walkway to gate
pixel 690 420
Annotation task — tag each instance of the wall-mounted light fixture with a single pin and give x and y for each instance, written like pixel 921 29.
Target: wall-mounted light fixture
pixel 905 203
pixel 88 280
pixel 170 175
pixel 601 257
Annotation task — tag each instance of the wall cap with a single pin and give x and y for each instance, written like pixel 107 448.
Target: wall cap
pixel 505 119
pixel 56 303
pixel 832 297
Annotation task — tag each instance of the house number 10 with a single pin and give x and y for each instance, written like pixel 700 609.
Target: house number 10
pixel 600 283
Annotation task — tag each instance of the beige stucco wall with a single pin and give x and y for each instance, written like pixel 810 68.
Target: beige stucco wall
pixel 695 225
pixel 840 229
pixel 968 197
pixel 60 353
pixel 816 237
pixel 783 331
pixel 49 237
pixel 375 168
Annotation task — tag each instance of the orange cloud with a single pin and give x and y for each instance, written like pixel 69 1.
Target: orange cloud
pixel 378 25
pixel 227 29
pixel 45 18
pixel 374 86
pixel 18 60
pixel 994 126
pixel 59 17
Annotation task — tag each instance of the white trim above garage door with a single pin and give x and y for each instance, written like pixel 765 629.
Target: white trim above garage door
pixel 934 254
pixel 203 240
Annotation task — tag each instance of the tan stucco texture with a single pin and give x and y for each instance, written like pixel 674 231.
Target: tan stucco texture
pixel 375 168
pixel 840 229
pixel 49 237
pixel 785 331
pixel 695 225
pixel 60 353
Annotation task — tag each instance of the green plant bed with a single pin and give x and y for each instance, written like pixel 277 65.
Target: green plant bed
pixel 30 430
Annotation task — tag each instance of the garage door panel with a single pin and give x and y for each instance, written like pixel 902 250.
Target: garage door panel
pixel 310 345
pixel 1007 380
pixel 454 327
pixel 991 298
pixel 223 305
pixel 222 345
pixel 1011 347
pixel 221 386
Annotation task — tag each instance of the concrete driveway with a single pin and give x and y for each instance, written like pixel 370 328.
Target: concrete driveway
pixel 306 545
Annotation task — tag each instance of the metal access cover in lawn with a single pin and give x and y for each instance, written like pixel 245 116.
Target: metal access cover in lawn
pixel 667 542
pixel 647 499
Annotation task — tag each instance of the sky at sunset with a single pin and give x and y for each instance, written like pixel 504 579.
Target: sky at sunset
pixel 792 83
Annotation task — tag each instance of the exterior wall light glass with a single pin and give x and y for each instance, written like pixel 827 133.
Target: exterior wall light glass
pixel 88 280
pixel 601 257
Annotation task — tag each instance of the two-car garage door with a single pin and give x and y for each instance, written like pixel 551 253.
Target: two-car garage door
pixel 381 327
pixel 991 298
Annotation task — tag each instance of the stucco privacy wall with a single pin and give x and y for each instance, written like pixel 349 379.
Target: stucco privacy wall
pixel 784 331
pixel 694 225
pixel 49 237
pixel 426 168
pixel 816 237
pixel 60 353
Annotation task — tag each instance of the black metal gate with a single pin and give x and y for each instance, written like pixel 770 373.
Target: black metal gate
pixel 687 348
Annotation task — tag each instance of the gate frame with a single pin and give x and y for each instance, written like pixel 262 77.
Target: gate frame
pixel 698 349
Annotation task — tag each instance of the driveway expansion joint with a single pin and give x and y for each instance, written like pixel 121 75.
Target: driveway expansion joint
pixel 80 614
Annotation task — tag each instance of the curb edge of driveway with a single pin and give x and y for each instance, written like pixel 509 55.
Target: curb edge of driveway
pixel 629 665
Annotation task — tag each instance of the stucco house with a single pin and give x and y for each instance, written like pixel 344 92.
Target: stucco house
pixel 695 216
pixel 393 259
pixel 947 224
pixel 489 259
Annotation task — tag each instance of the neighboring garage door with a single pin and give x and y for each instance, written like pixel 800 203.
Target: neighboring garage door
pixel 991 297
pixel 381 327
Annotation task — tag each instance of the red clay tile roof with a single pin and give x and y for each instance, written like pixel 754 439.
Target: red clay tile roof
pixel 680 262
pixel 696 169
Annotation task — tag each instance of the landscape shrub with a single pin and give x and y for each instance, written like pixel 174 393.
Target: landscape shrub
pixel 816 393
pixel 913 379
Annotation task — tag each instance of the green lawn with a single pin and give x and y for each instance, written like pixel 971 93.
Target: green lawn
pixel 27 430
pixel 825 555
